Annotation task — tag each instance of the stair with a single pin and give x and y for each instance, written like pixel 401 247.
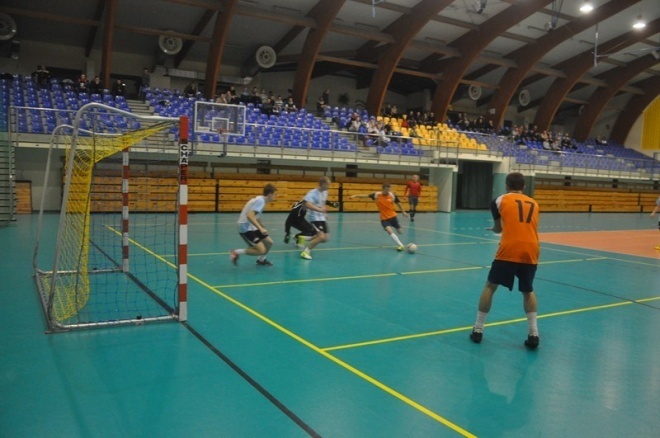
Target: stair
pixel 7 184
pixel 140 108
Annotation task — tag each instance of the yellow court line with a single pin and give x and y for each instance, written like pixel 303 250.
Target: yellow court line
pixel 492 324
pixel 341 363
pixel 389 274
pixel 336 360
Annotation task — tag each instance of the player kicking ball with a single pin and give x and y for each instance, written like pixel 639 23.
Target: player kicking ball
pixel 386 200
pixel 253 231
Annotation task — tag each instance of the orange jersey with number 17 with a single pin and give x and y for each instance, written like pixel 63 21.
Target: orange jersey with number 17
pixel 519 215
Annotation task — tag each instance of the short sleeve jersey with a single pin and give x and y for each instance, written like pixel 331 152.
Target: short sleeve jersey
pixel 519 216
pixel 413 188
pixel 255 204
pixel 318 198
pixel 386 204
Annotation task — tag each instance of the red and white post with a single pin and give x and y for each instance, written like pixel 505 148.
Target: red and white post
pixel 125 175
pixel 183 218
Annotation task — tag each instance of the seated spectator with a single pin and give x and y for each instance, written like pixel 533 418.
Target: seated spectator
pixel 42 76
pixel 354 124
pixel 118 88
pixel 96 87
pixel 429 119
pixel 290 106
pixel 222 98
pixel 82 86
pixel 387 111
pixel 279 104
pixel 190 90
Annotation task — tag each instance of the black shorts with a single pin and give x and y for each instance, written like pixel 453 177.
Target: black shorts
pixel 503 273
pixel 391 222
pixel 253 237
pixel 413 200
pixel 321 226
pixel 306 229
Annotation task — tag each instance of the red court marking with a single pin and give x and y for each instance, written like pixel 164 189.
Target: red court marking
pixel 640 243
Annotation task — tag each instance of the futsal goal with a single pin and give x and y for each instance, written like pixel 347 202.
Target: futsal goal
pixel 119 255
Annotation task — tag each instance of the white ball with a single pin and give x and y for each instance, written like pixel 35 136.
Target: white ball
pixel 411 248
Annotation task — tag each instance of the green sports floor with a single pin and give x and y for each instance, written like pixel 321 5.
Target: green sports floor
pixel 362 341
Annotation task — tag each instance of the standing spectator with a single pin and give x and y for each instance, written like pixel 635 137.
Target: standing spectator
pixel 145 82
pixel 326 97
pixel 516 216
pixel 395 112
pixel 320 105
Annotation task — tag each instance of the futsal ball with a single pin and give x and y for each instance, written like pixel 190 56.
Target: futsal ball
pixel 411 248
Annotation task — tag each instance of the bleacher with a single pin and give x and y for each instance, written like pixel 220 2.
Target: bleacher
pixel 39 111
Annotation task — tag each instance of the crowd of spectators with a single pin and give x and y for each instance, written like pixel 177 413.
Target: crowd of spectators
pixel 551 141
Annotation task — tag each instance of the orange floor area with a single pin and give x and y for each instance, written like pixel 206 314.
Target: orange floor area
pixel 640 243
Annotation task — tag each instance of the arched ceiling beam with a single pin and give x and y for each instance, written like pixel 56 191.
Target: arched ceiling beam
pixel 108 38
pixel 91 35
pixel 530 54
pixel 403 30
pixel 634 108
pixel 218 39
pixel 204 21
pixel 615 78
pixel 471 45
pixel 580 65
pixel 323 14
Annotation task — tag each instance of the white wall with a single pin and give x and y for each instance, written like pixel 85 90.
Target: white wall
pixel 31 165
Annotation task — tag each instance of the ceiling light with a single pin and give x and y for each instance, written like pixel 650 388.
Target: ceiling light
pixel 586 7
pixel 639 23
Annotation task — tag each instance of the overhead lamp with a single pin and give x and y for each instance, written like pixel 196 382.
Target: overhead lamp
pixel 586 7
pixel 639 23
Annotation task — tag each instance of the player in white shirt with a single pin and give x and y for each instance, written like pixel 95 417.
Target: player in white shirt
pixel 253 231
pixel 316 202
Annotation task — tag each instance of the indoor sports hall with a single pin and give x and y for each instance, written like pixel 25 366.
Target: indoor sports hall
pixel 154 154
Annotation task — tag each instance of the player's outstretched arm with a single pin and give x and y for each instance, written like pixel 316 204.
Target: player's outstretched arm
pixel 655 210
pixel 358 196
pixel 403 210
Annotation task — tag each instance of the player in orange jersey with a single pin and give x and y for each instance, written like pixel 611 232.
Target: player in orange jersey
pixel 386 200
pixel 413 190
pixel 516 216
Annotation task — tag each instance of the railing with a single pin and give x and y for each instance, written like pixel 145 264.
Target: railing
pixel 296 143
pixel 7 171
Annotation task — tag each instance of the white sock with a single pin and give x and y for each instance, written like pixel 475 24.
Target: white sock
pixel 481 321
pixel 240 251
pixel 533 328
pixel 307 250
pixel 396 239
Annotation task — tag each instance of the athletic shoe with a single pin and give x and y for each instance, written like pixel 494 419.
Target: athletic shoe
pixel 400 248
pixel 287 237
pixel 532 342
pixel 233 256
pixel 264 262
pixel 476 336
pixel 305 255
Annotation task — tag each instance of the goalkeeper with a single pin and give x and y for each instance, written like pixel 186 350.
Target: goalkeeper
pixel 315 230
